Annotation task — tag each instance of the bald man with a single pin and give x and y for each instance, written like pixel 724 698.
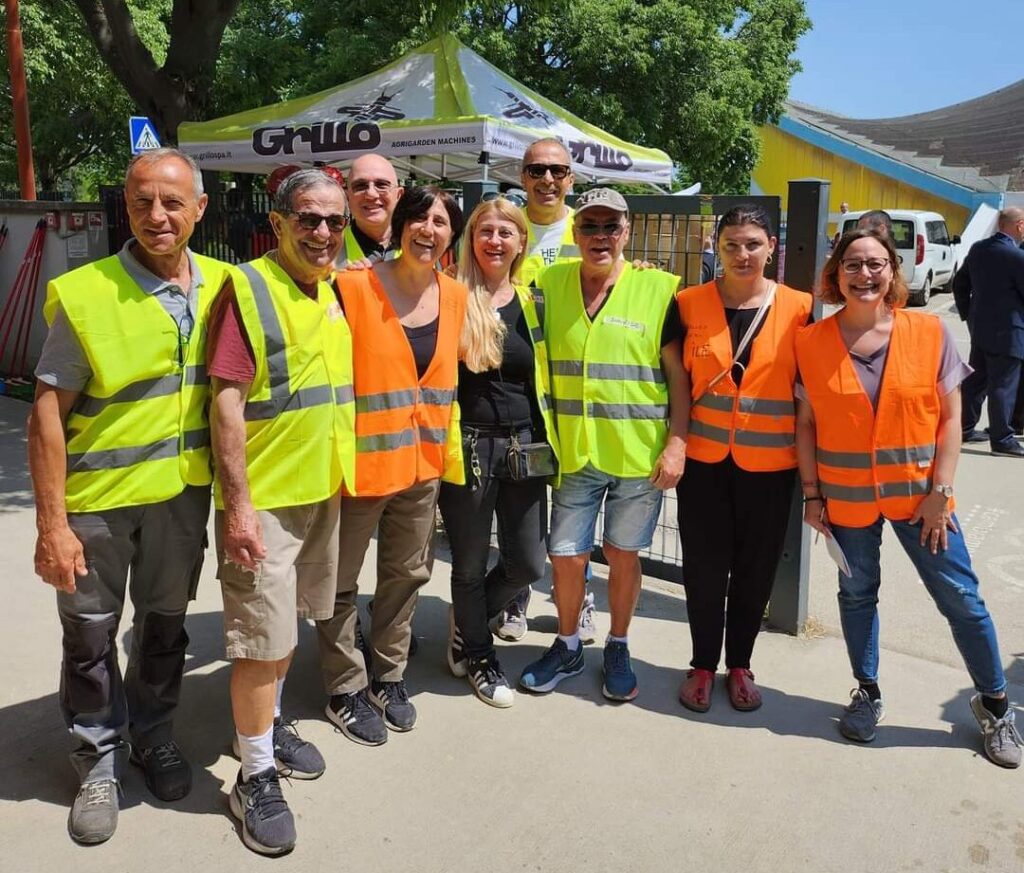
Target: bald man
pixel 546 178
pixel 989 294
pixel 373 192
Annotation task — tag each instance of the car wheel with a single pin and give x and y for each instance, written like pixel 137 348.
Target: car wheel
pixel 920 298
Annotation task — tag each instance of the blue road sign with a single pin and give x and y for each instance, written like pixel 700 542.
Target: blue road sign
pixel 142 134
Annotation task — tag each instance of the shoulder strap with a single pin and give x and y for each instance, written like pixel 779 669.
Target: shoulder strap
pixel 745 340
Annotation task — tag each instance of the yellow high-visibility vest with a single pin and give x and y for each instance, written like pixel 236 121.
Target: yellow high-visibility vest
pixel 609 390
pixel 300 410
pixel 138 432
pixel 533 263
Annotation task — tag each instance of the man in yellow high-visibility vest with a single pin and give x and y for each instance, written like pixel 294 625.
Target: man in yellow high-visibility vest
pixel 284 441
pixel 619 392
pixel 119 449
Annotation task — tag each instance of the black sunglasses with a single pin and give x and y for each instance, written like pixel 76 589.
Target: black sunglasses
pixel 311 221
pixel 514 199
pixel 537 171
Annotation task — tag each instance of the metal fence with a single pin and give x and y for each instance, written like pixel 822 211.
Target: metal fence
pixel 667 231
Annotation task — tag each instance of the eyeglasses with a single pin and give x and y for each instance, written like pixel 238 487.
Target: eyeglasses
pixel 610 229
pixel 514 199
pixel 537 171
pixel 361 186
pixel 311 221
pixel 852 266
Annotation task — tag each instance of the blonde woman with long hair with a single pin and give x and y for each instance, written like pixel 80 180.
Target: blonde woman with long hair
pixel 503 379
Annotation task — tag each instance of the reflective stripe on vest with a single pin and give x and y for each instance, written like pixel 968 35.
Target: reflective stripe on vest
pixel 300 409
pixel 869 462
pixel 352 251
pixel 610 395
pixel 138 431
pixel 533 263
pixel 405 426
pixel 756 421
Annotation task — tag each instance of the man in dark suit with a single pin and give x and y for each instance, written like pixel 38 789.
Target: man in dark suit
pixel 989 295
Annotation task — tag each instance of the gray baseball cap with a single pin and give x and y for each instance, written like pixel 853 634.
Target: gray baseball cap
pixel 606 197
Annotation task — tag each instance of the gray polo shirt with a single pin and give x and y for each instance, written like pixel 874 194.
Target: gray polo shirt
pixel 63 363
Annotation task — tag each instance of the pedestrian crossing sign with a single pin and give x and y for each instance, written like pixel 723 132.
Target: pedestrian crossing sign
pixel 142 134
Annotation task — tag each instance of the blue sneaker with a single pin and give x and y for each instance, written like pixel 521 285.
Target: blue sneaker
pixel 619 678
pixel 556 664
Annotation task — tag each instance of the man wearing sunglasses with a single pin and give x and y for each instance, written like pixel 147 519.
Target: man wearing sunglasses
pixel 546 177
pixel 119 449
pixel 614 336
pixel 373 192
pixel 283 416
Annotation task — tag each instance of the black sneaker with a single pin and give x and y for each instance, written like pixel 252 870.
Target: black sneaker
pixel 296 756
pixel 356 718
pixel 267 823
pixel 489 683
pixel 556 664
pixel 168 775
pixel 392 699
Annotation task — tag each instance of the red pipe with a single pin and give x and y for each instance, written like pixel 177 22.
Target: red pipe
pixel 29 312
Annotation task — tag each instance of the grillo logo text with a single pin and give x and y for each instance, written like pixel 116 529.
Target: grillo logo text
pixel 322 137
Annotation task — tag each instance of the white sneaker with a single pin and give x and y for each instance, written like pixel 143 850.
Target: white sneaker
pixel 587 628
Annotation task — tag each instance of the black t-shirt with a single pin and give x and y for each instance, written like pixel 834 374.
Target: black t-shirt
pixel 506 397
pixel 423 341
pixel 371 248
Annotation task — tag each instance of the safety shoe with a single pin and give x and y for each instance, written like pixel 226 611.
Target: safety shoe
pixel 356 718
pixel 556 664
pixel 456 651
pixel 392 699
pixel 168 775
pixel 587 628
pixel 1002 741
pixel 511 622
pixel 93 816
pixel 489 682
pixel 619 678
pixel 267 824
pixel 860 717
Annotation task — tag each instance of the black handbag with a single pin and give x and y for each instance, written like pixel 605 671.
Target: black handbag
pixel 529 460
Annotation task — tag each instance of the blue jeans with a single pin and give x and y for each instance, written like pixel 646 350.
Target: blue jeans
pixel 951 583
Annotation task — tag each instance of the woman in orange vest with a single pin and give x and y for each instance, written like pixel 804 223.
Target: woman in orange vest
pixel 878 437
pixel 406 319
pixel 736 491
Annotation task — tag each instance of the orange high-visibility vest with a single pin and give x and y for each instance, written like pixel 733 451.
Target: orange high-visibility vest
pixel 869 462
pixel 402 422
pixel 756 422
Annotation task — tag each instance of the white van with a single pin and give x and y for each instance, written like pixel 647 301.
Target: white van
pixel 929 257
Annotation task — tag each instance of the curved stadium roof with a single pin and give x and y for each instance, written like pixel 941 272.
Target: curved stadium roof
pixel 977 144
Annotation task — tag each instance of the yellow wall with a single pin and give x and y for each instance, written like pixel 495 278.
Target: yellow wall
pixel 784 157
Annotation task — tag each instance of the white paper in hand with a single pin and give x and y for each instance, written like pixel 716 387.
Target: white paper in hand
pixel 836 553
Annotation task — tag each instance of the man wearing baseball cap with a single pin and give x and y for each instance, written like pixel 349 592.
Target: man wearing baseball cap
pixel 618 388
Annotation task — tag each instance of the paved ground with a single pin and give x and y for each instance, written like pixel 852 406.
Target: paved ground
pixel 568 781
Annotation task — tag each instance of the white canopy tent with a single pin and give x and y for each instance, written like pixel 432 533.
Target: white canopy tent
pixel 434 112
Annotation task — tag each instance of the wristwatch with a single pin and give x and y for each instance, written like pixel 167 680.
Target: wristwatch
pixel 945 490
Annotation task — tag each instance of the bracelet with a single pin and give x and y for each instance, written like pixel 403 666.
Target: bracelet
pixel 813 499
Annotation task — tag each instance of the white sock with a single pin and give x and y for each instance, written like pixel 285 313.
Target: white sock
pixel 614 639
pixel 280 692
pixel 572 641
pixel 257 753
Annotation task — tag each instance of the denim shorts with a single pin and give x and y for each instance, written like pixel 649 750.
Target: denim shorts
pixel 631 510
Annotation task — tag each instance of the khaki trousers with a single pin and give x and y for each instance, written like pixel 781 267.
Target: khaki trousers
pixel 405 529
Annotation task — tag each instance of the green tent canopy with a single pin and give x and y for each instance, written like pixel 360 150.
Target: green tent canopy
pixel 433 112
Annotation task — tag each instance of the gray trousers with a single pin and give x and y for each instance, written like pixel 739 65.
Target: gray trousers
pixel 405 532
pixel 160 546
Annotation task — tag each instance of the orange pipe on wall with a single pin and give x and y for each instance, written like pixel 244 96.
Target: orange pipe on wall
pixel 19 93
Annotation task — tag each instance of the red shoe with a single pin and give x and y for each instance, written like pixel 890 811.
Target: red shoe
pixel 743 693
pixel 695 692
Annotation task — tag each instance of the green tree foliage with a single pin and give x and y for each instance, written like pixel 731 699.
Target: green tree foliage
pixel 692 77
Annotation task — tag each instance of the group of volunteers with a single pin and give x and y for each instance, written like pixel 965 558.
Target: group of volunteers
pixel 341 386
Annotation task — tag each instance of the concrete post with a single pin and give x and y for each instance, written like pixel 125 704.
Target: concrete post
pixel 806 250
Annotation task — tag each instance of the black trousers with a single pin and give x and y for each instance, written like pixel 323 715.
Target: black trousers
pixel 521 509
pixel 733 525
pixel 998 377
